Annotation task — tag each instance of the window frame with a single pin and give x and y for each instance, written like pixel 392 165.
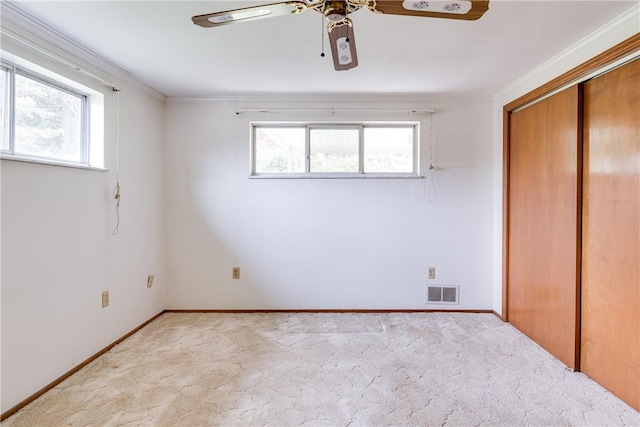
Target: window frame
pixel 308 126
pixel 10 151
pixel 7 110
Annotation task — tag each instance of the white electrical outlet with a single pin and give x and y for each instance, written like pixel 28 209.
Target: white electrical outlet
pixel 432 273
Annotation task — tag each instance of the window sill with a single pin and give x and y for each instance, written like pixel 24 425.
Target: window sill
pixel 50 163
pixel 335 176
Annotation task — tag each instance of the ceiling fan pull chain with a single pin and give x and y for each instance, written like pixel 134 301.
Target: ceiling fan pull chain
pixel 322 33
pixel 346 16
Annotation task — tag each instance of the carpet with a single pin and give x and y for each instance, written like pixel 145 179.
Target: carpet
pixel 326 369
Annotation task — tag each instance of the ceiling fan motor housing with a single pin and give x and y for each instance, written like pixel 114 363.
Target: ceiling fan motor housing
pixel 335 11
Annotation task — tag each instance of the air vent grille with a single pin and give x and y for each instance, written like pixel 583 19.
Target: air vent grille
pixel 442 294
pixel 434 294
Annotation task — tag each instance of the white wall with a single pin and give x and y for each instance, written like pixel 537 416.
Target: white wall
pixel 618 30
pixel 324 243
pixel 58 253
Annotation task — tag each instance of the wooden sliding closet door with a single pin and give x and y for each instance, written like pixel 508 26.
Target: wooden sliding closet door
pixel 544 178
pixel 611 235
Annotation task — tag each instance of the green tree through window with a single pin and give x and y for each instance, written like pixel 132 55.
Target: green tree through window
pixel 48 120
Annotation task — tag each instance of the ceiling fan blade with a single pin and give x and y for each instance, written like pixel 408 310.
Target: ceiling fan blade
pixel 217 19
pixel 452 9
pixel 343 45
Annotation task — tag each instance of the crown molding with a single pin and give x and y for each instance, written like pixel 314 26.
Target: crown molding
pixel 36 35
pixel 417 100
pixel 615 31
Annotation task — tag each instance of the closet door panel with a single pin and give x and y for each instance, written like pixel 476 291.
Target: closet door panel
pixel 610 339
pixel 544 175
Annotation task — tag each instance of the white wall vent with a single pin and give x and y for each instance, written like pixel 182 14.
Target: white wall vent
pixel 442 294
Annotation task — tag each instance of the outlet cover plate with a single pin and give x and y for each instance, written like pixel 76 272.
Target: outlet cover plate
pixel 105 299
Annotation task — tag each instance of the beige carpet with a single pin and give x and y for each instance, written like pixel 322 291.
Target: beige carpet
pixel 427 369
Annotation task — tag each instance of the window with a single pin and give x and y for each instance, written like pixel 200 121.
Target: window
pixel 279 150
pixel 334 150
pixel 43 119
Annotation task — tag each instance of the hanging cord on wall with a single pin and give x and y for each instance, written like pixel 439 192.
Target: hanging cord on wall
pixel 432 189
pixel 116 190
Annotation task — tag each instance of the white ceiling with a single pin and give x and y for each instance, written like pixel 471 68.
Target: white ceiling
pixel 156 42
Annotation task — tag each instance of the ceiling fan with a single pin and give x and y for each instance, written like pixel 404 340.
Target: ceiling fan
pixel 340 27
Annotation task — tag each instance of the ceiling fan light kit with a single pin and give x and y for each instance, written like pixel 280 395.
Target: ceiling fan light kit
pixel 246 14
pixel 340 27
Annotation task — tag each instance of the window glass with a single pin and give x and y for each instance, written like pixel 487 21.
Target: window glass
pixel 388 150
pixel 334 150
pixel 279 150
pixel 339 150
pixel 48 121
